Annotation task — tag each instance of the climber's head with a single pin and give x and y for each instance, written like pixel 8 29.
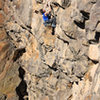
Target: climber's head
pixel 42 11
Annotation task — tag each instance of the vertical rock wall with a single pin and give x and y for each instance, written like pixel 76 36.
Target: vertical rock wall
pixel 9 78
pixel 14 21
pixel 37 65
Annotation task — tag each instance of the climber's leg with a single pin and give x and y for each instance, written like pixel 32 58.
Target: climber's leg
pixel 53 31
pixel 54 22
pixel 47 23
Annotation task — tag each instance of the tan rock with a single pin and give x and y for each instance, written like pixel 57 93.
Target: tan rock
pixel 2 19
pixel 94 52
pixel 1 4
pixel 6 9
pixel 45 98
pixel 2 34
pixel 64 78
pixel 50 58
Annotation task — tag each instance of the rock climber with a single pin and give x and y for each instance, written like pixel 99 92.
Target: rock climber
pixel 49 20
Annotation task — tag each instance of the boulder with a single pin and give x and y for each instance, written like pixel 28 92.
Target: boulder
pixel 94 52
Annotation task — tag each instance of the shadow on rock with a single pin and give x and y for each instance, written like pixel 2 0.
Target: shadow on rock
pixel 97 36
pixel 21 90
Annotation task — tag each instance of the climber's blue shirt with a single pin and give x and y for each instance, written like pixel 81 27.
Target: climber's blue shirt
pixel 45 18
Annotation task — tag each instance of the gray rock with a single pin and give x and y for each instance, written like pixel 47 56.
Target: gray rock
pixel 57 67
pixel 25 11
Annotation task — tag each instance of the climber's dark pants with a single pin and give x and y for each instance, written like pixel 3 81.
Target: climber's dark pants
pixel 50 22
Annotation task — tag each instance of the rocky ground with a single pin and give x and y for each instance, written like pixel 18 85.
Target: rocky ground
pixel 36 65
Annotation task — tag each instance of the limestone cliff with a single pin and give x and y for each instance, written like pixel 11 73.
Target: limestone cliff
pixel 36 65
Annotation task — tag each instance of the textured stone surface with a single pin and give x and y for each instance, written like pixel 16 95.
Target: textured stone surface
pixel 2 19
pixel 9 73
pixel 42 66
pixel 1 4
pixel 24 10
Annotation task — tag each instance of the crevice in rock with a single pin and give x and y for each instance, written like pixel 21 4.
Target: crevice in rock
pixel 80 77
pixel 97 36
pixel 77 82
pixel 95 62
pixel 27 28
pixel 52 68
pixel 63 40
pixel 70 97
pixel 92 41
pixel 11 0
pixel 58 5
pixel 93 1
pixel 80 24
pixel 10 38
pixel 21 90
pixel 68 35
pixel 86 15
pixel 18 53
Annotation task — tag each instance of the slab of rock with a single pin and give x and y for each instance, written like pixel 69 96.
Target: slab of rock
pixel 94 52
pixel 24 11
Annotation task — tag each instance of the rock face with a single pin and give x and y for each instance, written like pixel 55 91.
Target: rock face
pixel 10 50
pixel 8 69
pixel 36 65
